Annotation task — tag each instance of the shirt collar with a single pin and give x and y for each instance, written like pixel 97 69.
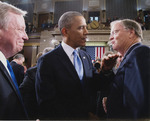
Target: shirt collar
pixel 68 49
pixel 3 59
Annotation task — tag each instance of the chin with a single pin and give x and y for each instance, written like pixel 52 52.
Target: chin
pixel 83 45
pixel 20 49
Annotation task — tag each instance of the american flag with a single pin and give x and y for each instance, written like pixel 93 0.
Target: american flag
pixel 94 51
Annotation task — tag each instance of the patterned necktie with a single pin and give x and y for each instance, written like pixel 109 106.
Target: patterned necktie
pixel 13 77
pixel 78 64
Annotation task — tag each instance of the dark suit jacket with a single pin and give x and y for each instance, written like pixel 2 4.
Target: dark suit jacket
pixel 27 89
pixel 59 92
pixel 130 93
pixel 11 106
pixel 18 71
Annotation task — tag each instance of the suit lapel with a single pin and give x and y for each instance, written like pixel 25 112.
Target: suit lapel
pixel 85 62
pixel 64 59
pixel 9 79
pixel 2 67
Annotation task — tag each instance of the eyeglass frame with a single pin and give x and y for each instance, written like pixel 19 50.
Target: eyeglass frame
pixel 114 32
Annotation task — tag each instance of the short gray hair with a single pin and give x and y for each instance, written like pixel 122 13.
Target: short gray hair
pixel 5 8
pixel 66 19
pixel 18 56
pixel 130 24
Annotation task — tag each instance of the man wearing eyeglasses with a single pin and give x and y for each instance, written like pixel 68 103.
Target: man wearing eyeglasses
pixel 129 96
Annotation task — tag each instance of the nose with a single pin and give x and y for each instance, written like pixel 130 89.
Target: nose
pixel 86 31
pixel 25 37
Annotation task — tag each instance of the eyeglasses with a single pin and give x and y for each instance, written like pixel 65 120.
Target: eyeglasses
pixel 116 31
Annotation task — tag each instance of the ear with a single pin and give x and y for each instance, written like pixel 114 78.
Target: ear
pixel 64 31
pixel 132 33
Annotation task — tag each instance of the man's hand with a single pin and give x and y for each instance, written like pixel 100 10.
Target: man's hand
pixel 108 62
pixel 104 102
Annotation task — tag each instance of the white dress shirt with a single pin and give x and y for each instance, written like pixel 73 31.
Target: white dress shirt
pixel 4 60
pixel 69 51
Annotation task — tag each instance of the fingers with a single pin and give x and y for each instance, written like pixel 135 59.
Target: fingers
pixel 111 56
pixel 109 61
pixel 104 102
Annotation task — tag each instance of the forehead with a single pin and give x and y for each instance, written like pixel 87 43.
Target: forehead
pixel 116 26
pixel 76 18
pixel 79 20
pixel 16 20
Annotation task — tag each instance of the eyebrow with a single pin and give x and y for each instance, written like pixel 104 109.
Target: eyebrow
pixel 85 26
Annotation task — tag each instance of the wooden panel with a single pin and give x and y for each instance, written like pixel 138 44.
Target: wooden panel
pixel 42 19
pixel 27 51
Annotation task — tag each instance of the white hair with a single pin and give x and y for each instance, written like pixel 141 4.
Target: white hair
pixel 5 9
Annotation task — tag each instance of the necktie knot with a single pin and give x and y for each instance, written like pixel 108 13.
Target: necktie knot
pixel 75 53
pixel 78 64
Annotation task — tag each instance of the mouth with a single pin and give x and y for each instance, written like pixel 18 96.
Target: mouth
pixel 21 43
pixel 111 43
pixel 85 39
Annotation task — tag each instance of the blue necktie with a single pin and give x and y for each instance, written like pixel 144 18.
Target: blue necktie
pixel 78 64
pixel 13 77
pixel 16 85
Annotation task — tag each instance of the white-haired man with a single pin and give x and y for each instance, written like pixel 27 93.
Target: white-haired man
pixel 12 36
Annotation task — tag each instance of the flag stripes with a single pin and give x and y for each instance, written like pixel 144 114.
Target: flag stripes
pixel 99 51
pixel 94 51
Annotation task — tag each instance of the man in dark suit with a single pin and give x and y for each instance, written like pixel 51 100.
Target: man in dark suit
pixel 27 89
pixel 130 93
pixel 12 36
pixel 17 66
pixel 61 92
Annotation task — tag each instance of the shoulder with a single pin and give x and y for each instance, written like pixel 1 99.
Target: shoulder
pixel 12 63
pixel 31 72
pixel 139 56
pixel 141 51
pixel 82 52
pixel 142 47
pixel 53 54
pixel 16 66
pixel 20 66
pixel 50 57
pixel 138 50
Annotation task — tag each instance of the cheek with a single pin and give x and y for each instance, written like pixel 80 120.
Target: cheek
pixel 13 44
pixel 118 40
pixel 75 36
